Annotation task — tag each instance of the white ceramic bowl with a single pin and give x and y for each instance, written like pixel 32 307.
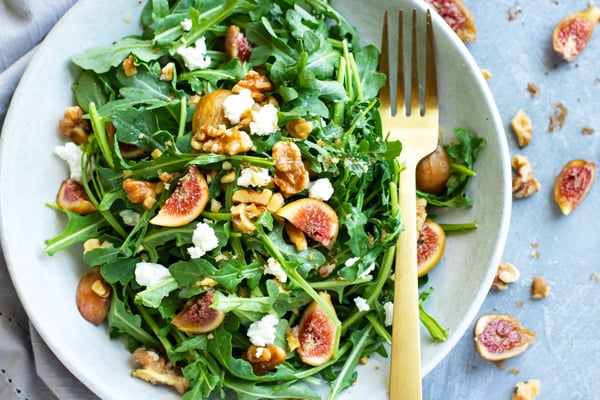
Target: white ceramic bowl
pixel 30 176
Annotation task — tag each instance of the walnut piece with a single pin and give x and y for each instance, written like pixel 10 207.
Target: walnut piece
pixel 73 126
pixel 157 370
pixel 505 275
pixel 527 390
pixel 524 183
pixel 257 84
pixel 557 119
pixel 296 236
pixel 290 174
pixel 243 216
pixel 522 127
pixel 539 288
pixel 142 192
pixel 533 89
pixel 129 68
pixel 299 128
pixel 421 213
pixel 261 198
pixel 265 359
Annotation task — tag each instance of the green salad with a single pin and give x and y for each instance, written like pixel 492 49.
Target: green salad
pixel 237 199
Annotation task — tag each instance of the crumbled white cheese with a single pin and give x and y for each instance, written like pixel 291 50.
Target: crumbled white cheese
pixel 264 121
pixel 204 240
pixel 254 176
pixel 262 332
pixel 237 104
pixel 71 153
pixel 186 24
pixel 320 189
pixel 367 272
pixel 361 304
pixel 130 217
pixel 195 57
pixel 273 267
pixel 351 261
pixel 151 274
pixel 388 307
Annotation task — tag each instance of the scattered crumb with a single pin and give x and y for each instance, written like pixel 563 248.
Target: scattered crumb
pixel 486 74
pixel 522 127
pixel 539 288
pixel 524 184
pixel 558 118
pixel 533 89
pixel 527 390
pixel 535 253
pixel 514 11
pixel 587 130
pixel 534 245
pixel 595 277
pixel 500 364
pixel 520 304
pixel 514 371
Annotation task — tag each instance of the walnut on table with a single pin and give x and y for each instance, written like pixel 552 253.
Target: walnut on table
pixel 527 390
pixel 522 127
pixel 539 288
pixel 506 274
pixel 524 184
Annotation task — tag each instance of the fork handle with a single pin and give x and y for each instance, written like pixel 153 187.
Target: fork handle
pixel 405 372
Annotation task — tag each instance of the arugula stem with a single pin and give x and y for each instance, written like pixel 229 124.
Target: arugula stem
pixel 358 118
pixel 100 133
pixel 381 331
pixel 433 327
pixel 456 228
pixel 150 322
pixel 182 117
pixel 339 107
pixel 455 167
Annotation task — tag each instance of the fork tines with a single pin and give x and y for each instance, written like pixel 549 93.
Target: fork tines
pixel 430 84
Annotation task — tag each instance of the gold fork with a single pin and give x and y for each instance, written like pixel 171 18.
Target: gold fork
pixel 417 128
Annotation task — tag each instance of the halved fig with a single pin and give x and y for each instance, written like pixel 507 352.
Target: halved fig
pixel 186 203
pixel 458 16
pixel 572 33
pixel 236 44
pixel 73 197
pixel 573 183
pixel 500 336
pixel 198 316
pixel 433 171
pixel 93 296
pixel 430 246
pixel 313 217
pixel 316 334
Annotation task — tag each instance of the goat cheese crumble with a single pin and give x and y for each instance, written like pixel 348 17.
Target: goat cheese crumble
pixel 237 104
pixel 195 57
pixel 351 261
pixel 264 121
pixel 367 272
pixel 186 24
pixel 151 274
pixel 388 307
pixel 71 153
pixel 130 217
pixel 204 240
pixel 254 176
pixel 321 189
pixel 361 304
pixel 273 267
pixel 262 333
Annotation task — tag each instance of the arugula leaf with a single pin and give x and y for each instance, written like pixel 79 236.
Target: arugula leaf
pixel 79 229
pixel 120 318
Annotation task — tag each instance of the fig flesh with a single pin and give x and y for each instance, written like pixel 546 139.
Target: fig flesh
pixel 186 203
pixel 500 336
pixel 457 16
pixel 93 296
pixel 73 197
pixel 430 246
pixel 236 44
pixel 198 316
pixel 573 183
pixel 313 217
pixel 572 33
pixel 433 171
pixel 316 334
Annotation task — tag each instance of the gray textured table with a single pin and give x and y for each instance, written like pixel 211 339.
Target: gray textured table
pixel 541 242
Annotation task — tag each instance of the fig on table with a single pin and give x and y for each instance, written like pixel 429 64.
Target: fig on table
pixel 572 34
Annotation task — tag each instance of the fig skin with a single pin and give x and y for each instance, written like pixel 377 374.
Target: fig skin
pixel 572 33
pixel 93 296
pixel 198 316
pixel 457 16
pixel 430 246
pixel 210 110
pixel 186 203
pixel 313 217
pixel 316 334
pixel 573 183
pixel 433 171
pixel 499 337
pixel 236 44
